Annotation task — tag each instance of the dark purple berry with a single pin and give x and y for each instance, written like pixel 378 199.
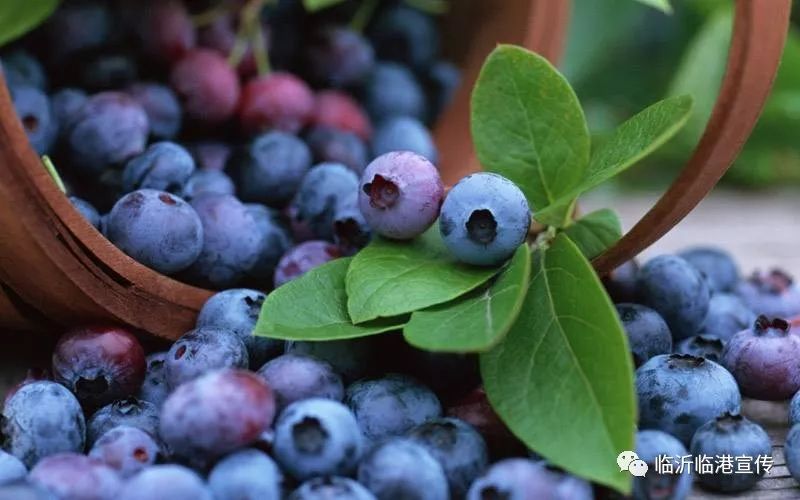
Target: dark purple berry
pixel 340 111
pixel 330 145
pixel 279 101
pixel 76 27
pixel 648 334
pixel 407 35
pixel 203 350
pixel 126 449
pixel 73 476
pixel 303 258
pixel 294 377
pixel 129 412
pixel 167 30
pixel 339 57
pixel 206 85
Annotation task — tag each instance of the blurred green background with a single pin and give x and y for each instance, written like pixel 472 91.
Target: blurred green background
pixel 622 56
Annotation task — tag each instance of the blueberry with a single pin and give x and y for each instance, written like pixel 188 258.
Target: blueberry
pixel 648 334
pixel 126 449
pixel 21 68
pixel 393 90
pixel 99 364
pixel 32 375
pixel 794 410
pixel 727 315
pixel 203 350
pixel 294 377
pixel 733 435
pixel 326 189
pixel 76 27
pixel 166 481
pixel 207 182
pixel 206 85
pixel 338 110
pixel 457 446
pixel 279 101
pixel 523 478
pixel 231 242
pixel 621 282
pixel 762 359
pixel 679 393
pixel 246 475
pixel 400 195
pixel 130 412
pixel 216 414
pixel 66 104
pixel 36 115
pixel 716 265
pixel 74 476
pixel 158 229
pixel 109 129
pixel 330 145
pixel 24 490
pixel 339 57
pixel 404 134
pixel 391 405
pixel 165 166
pixel 162 107
pixel 317 437
pixel 11 468
pixel 350 230
pixel 275 241
pixel 702 346
pixel 87 210
pixel 441 82
pixel 331 488
pixel 400 468
pixel 678 291
pixel 107 70
pixel 210 155
pixel 304 257
pixel 484 218
pixel 772 294
pixel 406 35
pixel 791 450
pixel 270 169
pixel 238 310
pixel 650 445
pixel 167 31
pixel 351 358
pixel 155 388
pixel 220 35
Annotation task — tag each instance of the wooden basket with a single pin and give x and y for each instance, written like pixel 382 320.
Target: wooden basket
pixel 56 269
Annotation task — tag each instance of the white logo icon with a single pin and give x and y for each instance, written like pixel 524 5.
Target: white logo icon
pixel 629 461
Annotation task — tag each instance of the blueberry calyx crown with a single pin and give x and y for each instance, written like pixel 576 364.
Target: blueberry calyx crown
pixel 309 436
pixel 382 192
pixel 764 324
pixel 728 421
pixel 775 282
pixel 87 387
pixel 707 341
pixel 684 361
pixel 482 226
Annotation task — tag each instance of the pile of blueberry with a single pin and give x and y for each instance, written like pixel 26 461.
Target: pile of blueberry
pixel 203 164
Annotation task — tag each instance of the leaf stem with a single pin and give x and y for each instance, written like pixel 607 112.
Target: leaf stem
pixel 210 15
pixel 363 15
pixel 51 169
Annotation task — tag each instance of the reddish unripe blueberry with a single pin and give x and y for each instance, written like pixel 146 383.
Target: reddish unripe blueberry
pixel 303 258
pixel 207 86
pixel 126 449
pixel 99 364
pixel 220 35
pixel 167 30
pixel 277 101
pixel 73 476
pixel 216 414
pixel 474 408
pixel 401 194
pixel 338 110
pixel 763 359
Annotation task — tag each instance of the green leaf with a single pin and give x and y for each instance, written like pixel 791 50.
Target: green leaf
pixel 662 5
pixel 390 278
pixel 562 379
pixel 18 18
pixel 314 307
pixel 595 233
pixel 477 321
pixel 432 7
pixel 528 126
pixel 632 141
pixel 315 5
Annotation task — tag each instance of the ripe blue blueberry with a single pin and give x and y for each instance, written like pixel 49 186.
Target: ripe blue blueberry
pixel 210 155
pixel 155 388
pixel 679 393
pixel 678 291
pixel 299 260
pixel 216 414
pixel 246 475
pixel 773 294
pixel 317 437
pixel 36 115
pixel 164 166
pixel 74 476
pixel 727 315
pixel 66 104
pixel 353 359
pixel 237 310
pixel 791 450
pixel 40 419
pixel 126 449
pixel 763 360
pixel 648 334
pixel 275 241
pixel 523 478
pixel 158 229
pixel 87 210
pixel 441 83
pixel 162 107
pixel 339 57
pixel 485 217
pixel 295 377
pixel 25 490
pixel 457 446
pixel 716 265
pixel 400 195
pixel 331 488
pixel 733 435
pixel 207 181
pixel 21 68
pixel 203 350
pixel 391 405
pixel 621 282
pixel 130 412
pixel 231 241
pixel 403 133
pixel 650 445
pixel 392 91
pixel 325 190
pixel 794 410
pixel 400 468
pixel 11 468
pixel 270 169
pixel 166 481
pixel 702 346
pixel 407 35
pixel 331 145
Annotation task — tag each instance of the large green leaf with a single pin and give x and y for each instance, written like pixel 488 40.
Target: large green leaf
pixel 314 307
pixel 389 278
pixel 662 5
pixel 595 232
pixel 562 379
pixel 528 126
pixel 315 5
pixel 476 321
pixel 17 18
